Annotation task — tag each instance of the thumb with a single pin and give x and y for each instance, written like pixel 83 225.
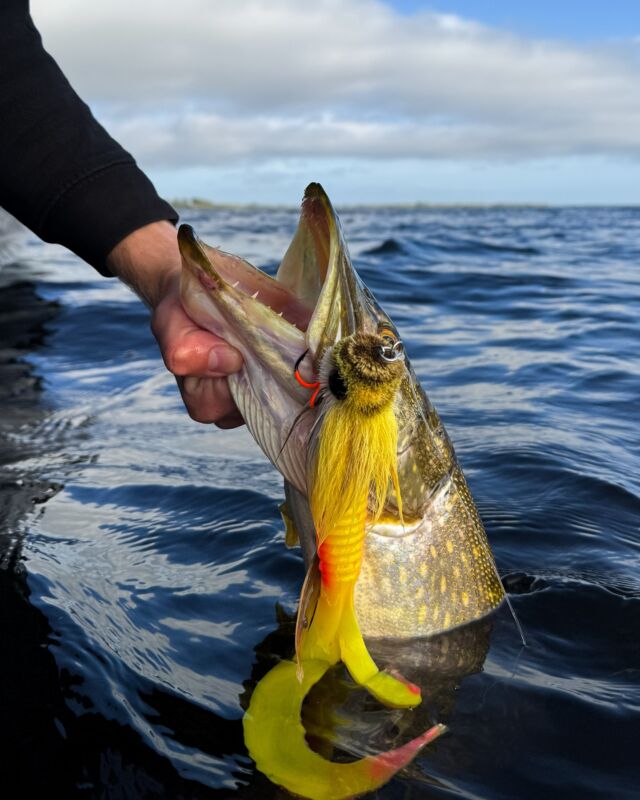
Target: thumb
pixel 188 349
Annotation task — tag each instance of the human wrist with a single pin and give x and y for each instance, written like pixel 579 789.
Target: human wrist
pixel 148 261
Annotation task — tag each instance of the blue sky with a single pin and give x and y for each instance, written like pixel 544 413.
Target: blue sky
pixel 403 101
pixel 591 20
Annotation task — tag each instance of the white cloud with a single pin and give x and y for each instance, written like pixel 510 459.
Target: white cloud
pixel 204 82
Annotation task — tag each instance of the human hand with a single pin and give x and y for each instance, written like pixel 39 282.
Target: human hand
pixel 148 260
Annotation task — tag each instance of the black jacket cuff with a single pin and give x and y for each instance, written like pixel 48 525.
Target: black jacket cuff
pixel 101 208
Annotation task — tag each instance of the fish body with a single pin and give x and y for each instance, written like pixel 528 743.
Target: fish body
pixel 425 574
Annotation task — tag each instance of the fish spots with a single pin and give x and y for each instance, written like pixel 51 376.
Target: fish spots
pixel 494 594
pixel 476 551
pixel 436 612
pixel 447 619
pixel 422 613
pixel 433 551
pixel 465 599
pixel 420 593
pixel 423 569
pixel 449 546
pixel 443 584
pixel 456 571
pixel 414 467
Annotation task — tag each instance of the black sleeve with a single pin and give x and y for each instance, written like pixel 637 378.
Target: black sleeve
pixel 61 174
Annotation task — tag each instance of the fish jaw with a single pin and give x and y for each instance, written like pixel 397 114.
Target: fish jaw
pixel 318 269
pixel 218 292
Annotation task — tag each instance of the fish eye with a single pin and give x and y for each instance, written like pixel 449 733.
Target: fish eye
pixel 388 336
pixel 337 386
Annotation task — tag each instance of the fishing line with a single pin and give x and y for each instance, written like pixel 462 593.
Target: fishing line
pixel 316 398
pixel 513 612
pixel 288 436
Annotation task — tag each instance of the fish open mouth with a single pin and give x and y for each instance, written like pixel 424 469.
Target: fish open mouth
pixel 282 326
pixel 316 291
pixel 222 273
pixel 293 295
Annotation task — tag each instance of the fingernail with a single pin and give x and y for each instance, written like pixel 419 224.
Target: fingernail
pixel 214 360
pixel 224 360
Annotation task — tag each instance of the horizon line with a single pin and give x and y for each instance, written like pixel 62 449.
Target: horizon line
pixel 204 204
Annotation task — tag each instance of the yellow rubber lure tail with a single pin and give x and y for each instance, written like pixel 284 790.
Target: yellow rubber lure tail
pixel 333 633
pixel 275 738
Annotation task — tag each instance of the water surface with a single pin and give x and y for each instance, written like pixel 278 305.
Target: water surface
pixel 145 582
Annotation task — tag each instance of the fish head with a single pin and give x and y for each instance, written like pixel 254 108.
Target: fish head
pixel 296 320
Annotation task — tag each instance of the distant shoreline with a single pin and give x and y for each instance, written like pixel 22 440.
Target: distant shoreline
pixel 198 203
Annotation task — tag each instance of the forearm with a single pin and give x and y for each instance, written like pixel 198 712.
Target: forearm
pixel 61 174
pixel 148 261
pixel 64 177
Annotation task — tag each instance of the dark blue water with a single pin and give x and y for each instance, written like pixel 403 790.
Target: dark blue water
pixel 147 567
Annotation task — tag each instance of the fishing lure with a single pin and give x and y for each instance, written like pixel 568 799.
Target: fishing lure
pixel 352 465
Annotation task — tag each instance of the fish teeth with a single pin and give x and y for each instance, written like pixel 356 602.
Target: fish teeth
pixel 235 284
pixel 253 296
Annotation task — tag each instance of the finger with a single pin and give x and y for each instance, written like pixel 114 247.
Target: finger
pixel 209 400
pixel 233 420
pixel 188 349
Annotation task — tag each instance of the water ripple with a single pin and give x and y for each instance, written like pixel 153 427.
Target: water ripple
pixel 158 558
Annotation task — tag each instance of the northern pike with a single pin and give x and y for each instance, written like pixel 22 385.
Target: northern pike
pixel 392 540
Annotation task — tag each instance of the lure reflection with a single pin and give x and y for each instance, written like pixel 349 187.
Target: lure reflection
pixel 393 543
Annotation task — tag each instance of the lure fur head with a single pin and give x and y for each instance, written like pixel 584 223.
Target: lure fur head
pixel 354 458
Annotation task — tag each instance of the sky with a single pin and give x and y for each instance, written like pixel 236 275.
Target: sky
pixel 394 101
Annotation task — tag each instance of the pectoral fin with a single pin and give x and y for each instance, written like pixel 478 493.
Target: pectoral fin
pixel 291 538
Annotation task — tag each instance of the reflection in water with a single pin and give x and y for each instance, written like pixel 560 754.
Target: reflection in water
pixel 45 744
pixel 30 696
